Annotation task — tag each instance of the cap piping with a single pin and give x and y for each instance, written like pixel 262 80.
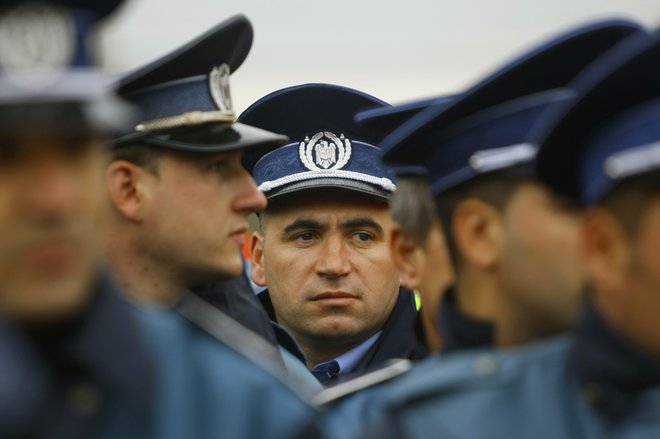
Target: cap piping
pixel 382 182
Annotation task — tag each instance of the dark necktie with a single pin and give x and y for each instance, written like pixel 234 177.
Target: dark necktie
pixel 325 372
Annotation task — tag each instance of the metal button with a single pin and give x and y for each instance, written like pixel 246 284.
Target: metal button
pixel 592 393
pixel 84 400
pixel 485 365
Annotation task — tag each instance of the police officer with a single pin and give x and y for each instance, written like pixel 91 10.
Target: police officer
pixel 68 369
pixel 322 248
pixel 603 381
pixel 165 242
pixel 418 243
pixel 512 242
pixel 179 196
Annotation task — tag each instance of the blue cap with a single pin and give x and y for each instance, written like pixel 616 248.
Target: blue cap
pixel 328 149
pixel 47 81
pixel 384 120
pixel 488 127
pixel 612 132
pixel 185 97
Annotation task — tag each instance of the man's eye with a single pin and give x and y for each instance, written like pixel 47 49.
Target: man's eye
pixel 362 237
pixel 221 167
pixel 307 236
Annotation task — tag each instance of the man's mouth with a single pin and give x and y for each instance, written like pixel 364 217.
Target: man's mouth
pixel 238 235
pixel 52 256
pixel 335 298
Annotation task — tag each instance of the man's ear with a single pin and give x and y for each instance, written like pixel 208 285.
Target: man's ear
pixel 478 233
pixel 607 249
pixel 407 256
pixel 127 189
pixel 257 259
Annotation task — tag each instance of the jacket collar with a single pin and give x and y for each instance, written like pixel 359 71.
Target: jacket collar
pixel 460 331
pixel 612 372
pixel 107 344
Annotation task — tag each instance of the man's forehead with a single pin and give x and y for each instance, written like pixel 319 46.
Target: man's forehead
pixel 329 213
pixel 45 142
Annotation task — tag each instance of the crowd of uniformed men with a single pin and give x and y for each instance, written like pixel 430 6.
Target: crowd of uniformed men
pixel 479 265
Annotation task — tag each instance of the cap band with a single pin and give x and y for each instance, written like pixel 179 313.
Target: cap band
pixel 633 161
pixel 192 118
pixel 493 159
pixel 382 182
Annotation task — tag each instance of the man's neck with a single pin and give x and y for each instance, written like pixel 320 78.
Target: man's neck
pixel 143 278
pixel 482 296
pixel 477 295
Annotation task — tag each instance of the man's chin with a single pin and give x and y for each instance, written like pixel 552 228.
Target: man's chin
pixel 46 300
pixel 231 269
pixel 337 329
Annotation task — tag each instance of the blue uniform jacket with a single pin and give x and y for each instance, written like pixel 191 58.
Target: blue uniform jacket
pixel 592 384
pixel 532 392
pixel 207 390
pixel 86 377
pixel 236 298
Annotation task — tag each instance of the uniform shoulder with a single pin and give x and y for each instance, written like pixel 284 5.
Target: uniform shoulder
pixel 457 372
pixel 478 370
pixel 198 374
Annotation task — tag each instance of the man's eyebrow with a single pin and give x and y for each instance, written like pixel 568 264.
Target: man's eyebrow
pixel 362 223
pixel 304 224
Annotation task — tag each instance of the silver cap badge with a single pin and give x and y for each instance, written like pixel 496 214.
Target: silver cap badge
pixel 36 37
pixel 325 151
pixel 219 87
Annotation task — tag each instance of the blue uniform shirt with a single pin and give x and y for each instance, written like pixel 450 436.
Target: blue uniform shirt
pixel 344 363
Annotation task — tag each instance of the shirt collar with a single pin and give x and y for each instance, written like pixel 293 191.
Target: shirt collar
pixel 348 360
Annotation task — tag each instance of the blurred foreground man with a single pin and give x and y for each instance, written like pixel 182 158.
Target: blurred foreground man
pixel 603 380
pixel 72 360
pixel 322 249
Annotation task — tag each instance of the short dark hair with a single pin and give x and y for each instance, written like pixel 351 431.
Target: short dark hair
pixel 139 154
pixel 630 199
pixel 494 188
pixel 412 206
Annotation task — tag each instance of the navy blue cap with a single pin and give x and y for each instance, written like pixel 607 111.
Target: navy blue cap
pixel 328 149
pixel 612 131
pixel 488 128
pixel 384 120
pixel 185 97
pixel 47 80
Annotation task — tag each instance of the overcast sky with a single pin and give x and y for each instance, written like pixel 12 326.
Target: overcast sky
pixel 397 51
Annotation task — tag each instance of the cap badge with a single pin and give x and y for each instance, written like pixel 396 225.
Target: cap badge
pixel 36 37
pixel 219 87
pixel 325 151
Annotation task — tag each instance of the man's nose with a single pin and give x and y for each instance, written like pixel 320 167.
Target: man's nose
pixel 250 199
pixel 334 260
pixel 51 190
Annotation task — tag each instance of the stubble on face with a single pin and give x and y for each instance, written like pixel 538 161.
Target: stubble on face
pixel 328 269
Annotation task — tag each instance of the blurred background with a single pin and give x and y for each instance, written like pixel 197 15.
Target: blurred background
pixel 397 51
